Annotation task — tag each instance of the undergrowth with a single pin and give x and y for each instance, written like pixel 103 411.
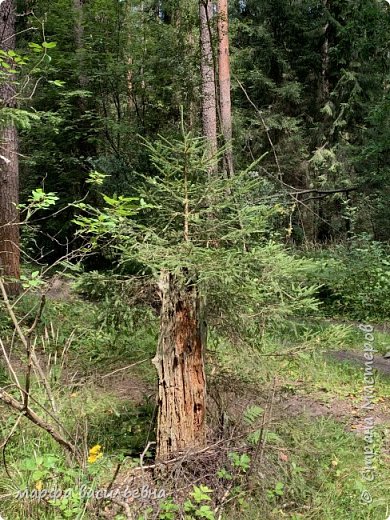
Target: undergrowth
pixel 308 467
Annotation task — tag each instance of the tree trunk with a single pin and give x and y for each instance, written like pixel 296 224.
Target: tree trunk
pixel 325 67
pixel 225 82
pixel 79 37
pixel 180 367
pixel 129 74
pixel 209 104
pixel 325 86
pixel 9 164
pixel 78 28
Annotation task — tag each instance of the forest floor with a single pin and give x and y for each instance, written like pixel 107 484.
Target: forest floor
pixel 306 382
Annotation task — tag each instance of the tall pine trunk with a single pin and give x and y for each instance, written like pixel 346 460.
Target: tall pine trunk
pixel 9 164
pixel 180 367
pixel 209 103
pixel 225 82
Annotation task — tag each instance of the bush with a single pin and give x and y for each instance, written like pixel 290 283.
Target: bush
pixel 356 279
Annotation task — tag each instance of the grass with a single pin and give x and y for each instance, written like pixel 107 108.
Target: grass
pixel 121 428
pixel 311 468
pixel 321 477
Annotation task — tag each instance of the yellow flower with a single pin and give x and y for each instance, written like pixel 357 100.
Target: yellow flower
pixel 39 485
pixel 95 453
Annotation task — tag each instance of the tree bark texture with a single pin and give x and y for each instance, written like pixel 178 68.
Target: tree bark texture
pixel 225 82
pixel 180 366
pixel 9 164
pixel 209 104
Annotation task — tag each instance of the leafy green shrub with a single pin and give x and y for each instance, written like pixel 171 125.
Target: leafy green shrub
pixel 356 279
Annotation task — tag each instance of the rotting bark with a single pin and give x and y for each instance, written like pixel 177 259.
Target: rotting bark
pixel 180 366
pixel 9 164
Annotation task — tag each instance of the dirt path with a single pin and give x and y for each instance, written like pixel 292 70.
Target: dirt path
pixel 349 412
pixel 379 363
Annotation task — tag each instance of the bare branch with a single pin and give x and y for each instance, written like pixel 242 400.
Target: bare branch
pixel 9 400
pixel 10 367
pixel 126 367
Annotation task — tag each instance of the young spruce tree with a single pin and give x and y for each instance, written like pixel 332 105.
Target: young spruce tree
pixel 205 243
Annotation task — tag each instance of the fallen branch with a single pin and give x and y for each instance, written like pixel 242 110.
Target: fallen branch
pixel 22 406
pixel 26 341
pixel 9 400
pixel 125 368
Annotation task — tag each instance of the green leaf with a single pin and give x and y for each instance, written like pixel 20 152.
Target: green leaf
pixel 96 178
pixel 279 489
pixel 240 461
pixel 38 475
pixel 57 83
pixel 205 512
pixel 29 464
pixel 224 474
pixel 50 462
pixel 252 413
pixel 273 437
pixel 201 494
pixel 49 45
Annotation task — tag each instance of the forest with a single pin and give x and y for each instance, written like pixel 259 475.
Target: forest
pixel 194 259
